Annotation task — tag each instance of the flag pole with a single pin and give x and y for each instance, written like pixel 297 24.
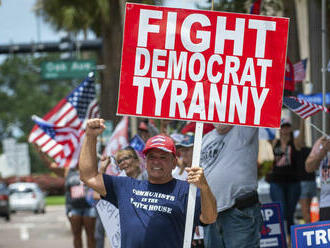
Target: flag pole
pixel 324 56
pixel 192 188
pixel 317 129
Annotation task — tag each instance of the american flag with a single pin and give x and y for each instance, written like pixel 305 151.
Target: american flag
pixel 301 107
pixel 300 70
pixel 255 7
pixel 59 132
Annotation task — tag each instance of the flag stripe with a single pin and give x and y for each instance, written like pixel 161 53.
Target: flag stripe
pixel 54 114
pixel 50 150
pixel 35 135
pixel 94 111
pixel 66 117
pixel 48 145
pixel 58 153
pixel 43 140
pixel 304 110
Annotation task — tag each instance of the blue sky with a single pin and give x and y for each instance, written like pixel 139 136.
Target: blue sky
pixel 18 23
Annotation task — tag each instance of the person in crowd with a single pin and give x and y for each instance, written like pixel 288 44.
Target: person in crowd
pixel 283 178
pixel 319 158
pixel 152 213
pixel 229 158
pixel 307 184
pixel 79 212
pixel 147 129
pixel 185 149
pixel 82 214
pixel 128 161
pixel 143 131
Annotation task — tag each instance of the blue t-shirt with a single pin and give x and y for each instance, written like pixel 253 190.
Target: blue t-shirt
pixel 151 215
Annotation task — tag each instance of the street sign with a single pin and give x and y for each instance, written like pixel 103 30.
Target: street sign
pixel 66 69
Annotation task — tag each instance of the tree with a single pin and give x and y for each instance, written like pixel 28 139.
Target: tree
pixel 22 94
pixel 268 7
pixel 104 18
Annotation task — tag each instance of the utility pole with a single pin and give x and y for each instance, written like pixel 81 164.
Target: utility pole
pixel 304 47
pixel 324 65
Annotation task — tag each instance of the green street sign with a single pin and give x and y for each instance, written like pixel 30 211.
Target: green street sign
pixel 66 69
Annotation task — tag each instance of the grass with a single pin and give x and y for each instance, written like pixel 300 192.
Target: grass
pixel 55 200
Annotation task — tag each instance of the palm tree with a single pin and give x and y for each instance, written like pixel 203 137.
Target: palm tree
pixel 105 19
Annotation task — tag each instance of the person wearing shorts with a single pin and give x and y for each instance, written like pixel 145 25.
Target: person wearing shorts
pixel 81 214
pixel 307 184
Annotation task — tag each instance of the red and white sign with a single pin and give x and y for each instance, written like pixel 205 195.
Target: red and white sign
pixel 203 66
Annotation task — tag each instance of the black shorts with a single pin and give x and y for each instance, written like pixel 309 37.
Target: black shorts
pixel 325 213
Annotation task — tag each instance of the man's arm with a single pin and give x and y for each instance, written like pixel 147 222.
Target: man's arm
pixel 208 203
pixel 319 151
pixel 88 157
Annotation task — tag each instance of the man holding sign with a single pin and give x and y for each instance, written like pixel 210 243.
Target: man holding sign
pixel 229 158
pixel 209 66
pixel 153 212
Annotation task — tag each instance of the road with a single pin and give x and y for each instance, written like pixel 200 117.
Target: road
pixel 29 230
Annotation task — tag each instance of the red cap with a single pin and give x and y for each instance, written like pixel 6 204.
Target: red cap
pixel 161 142
pixel 190 128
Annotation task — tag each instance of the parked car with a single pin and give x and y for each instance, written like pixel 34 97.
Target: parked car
pixel 4 201
pixel 26 196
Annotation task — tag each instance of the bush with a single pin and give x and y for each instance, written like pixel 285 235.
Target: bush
pixel 264 168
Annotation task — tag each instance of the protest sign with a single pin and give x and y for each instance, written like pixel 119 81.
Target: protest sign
pixel 272 233
pixel 203 66
pixel 315 234
pixel 109 216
